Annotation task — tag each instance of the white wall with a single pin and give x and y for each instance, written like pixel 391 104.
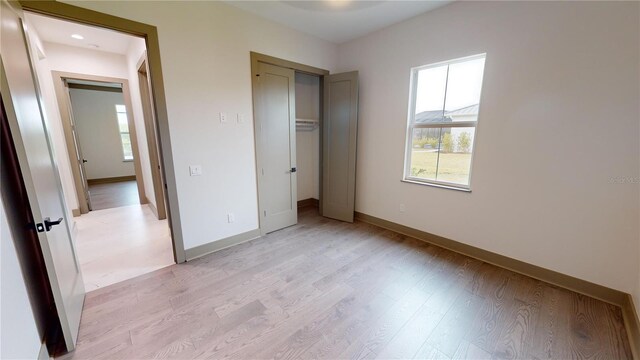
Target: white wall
pixel 94 113
pixel 19 337
pixel 53 121
pixel 206 68
pixel 558 119
pixel 308 142
pixel 85 61
pixel 135 52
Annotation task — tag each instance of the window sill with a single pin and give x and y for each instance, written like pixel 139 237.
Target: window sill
pixel 442 186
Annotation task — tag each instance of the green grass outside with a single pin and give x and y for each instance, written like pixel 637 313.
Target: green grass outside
pixel 452 168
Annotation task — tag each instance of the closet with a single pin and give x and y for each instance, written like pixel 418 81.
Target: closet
pixel 308 137
pixel 305 123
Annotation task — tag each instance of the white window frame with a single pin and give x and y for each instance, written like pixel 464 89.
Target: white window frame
pixel 411 125
pixel 125 112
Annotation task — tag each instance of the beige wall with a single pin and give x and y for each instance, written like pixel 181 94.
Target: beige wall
pixel 206 67
pixel 94 113
pixel 308 142
pixel 558 119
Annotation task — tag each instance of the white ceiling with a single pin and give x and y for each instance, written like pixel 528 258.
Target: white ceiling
pixel 59 31
pixel 337 21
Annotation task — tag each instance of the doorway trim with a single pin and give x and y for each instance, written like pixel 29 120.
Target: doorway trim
pixel 142 70
pixel 66 114
pixel 150 34
pixel 257 58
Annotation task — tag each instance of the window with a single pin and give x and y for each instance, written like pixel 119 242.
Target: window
pixel 443 114
pixel 123 128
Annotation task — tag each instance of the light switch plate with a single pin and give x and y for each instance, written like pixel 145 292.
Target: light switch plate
pixel 223 117
pixel 240 118
pixel 195 170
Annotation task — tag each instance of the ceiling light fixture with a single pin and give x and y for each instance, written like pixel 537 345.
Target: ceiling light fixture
pixel 77 36
pixel 339 4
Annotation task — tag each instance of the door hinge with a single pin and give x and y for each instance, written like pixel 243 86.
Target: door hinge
pixel 265 213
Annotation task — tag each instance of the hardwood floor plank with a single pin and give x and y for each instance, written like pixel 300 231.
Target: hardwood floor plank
pixel 487 327
pixel 324 289
pixel 586 336
pixel 517 332
pixel 337 339
pixel 550 338
pixel 618 346
pixel 467 350
pixel 450 331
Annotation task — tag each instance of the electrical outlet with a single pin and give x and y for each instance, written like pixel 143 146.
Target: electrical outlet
pixel 195 170
pixel 223 117
pixel 402 208
pixel 231 218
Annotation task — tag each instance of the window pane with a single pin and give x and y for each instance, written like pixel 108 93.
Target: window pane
pixel 123 124
pixel 454 162
pixel 424 153
pixel 126 146
pixel 121 109
pixel 463 90
pixel 430 91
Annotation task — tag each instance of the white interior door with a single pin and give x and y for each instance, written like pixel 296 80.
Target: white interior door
pixel 33 145
pixel 276 147
pixel 339 135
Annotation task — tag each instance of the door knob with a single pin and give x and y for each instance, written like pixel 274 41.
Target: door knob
pixel 48 224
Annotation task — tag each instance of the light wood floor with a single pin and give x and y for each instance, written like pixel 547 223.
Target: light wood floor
pixel 116 194
pixel 121 243
pixel 325 290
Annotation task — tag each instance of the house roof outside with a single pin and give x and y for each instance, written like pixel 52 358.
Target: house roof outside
pixel 465 111
pixel 432 116
pixel 438 116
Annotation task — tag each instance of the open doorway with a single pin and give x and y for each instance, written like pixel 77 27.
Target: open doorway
pixel 101 141
pixel 100 131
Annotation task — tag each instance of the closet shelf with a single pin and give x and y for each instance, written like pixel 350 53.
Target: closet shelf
pixel 307 124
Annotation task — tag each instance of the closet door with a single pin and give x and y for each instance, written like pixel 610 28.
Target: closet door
pixel 339 135
pixel 276 147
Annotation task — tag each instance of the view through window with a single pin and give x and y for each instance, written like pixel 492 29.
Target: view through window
pixel 443 116
pixel 125 137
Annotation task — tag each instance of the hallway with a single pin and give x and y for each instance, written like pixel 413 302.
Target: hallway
pixel 121 243
pixel 115 194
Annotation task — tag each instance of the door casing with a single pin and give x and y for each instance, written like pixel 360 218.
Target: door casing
pixel 257 58
pixel 64 11
pixel 152 142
